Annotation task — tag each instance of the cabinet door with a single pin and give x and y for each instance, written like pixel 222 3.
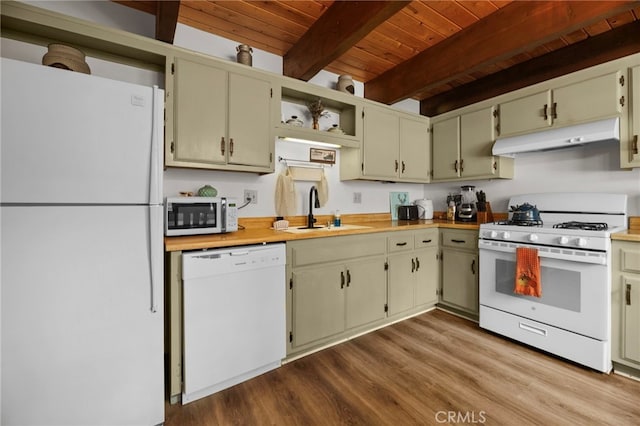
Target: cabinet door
pixel 446 149
pixel 401 282
pixel 250 141
pixel 318 303
pixel 427 276
pixel 526 114
pixel 200 113
pixel 366 291
pixel 415 150
pixel 629 148
pixel 588 100
pixel 631 326
pixel 380 143
pixel 476 140
pixel 460 279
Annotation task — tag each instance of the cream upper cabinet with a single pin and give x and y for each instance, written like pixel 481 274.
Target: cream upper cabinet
pixel 381 139
pixel 462 148
pixel 415 150
pixel 476 140
pixel 592 99
pixel 629 147
pixel 395 147
pixel 526 114
pixel 200 114
pixel 221 119
pixel 446 149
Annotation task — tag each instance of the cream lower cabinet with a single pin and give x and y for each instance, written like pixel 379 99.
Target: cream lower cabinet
pixel 459 288
pixel 337 286
pixel 220 119
pixel 462 148
pixel 625 305
pixel 413 270
pixel 395 147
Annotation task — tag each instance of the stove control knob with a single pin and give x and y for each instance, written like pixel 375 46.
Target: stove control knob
pixel 581 242
pixel 506 235
pixel 492 234
pixel 533 237
pixel 563 240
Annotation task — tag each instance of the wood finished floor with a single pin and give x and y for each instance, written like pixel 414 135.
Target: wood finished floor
pixel 420 372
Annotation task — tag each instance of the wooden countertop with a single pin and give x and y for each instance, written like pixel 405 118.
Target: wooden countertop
pixel 631 234
pixel 256 234
pixel 259 231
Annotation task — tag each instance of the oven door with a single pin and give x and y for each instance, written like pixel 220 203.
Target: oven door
pixel 575 287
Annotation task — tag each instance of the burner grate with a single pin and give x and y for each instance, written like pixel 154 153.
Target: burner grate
pixel 585 226
pixel 520 222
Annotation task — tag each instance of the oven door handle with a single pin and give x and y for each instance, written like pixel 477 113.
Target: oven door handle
pixel 533 329
pixel 569 254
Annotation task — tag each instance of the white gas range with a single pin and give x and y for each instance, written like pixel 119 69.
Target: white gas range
pixel 571 235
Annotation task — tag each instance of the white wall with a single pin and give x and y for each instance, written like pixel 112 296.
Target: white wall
pixel 583 169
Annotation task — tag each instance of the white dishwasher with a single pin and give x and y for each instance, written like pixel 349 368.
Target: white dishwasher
pixel 233 316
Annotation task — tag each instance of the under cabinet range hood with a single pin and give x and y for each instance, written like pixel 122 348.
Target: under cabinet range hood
pixel 565 137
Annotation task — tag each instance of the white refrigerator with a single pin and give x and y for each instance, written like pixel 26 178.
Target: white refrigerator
pixel 82 249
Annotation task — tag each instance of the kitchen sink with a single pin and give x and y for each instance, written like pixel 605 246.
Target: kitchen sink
pixel 322 228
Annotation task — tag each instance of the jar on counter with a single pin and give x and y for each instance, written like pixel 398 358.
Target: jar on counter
pixel 451 211
pixel 336 219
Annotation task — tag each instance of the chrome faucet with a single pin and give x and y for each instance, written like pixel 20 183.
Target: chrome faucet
pixel 310 219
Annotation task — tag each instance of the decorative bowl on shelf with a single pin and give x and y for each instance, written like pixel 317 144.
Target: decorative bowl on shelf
pixel 295 121
pixel 335 129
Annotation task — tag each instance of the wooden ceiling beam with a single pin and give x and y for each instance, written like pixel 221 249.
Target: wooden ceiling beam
pixel 513 29
pixel 614 44
pixel 337 30
pixel 166 20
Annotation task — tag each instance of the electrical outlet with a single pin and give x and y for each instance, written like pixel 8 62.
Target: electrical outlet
pixel 357 197
pixel 251 194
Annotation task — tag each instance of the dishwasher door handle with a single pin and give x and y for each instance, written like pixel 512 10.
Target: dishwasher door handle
pixel 239 253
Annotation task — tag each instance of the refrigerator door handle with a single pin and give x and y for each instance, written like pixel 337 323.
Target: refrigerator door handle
pixel 155 254
pixel 157 141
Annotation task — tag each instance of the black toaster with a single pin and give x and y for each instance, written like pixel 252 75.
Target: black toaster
pixel 408 212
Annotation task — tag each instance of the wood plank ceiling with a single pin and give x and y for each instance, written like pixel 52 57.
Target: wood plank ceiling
pixel 446 54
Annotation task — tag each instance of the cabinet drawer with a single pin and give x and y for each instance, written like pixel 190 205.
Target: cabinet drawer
pixel 335 249
pixel 630 259
pixel 400 241
pixel 462 239
pixel 426 238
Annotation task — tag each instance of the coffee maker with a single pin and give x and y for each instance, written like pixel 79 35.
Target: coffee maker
pixel 467 210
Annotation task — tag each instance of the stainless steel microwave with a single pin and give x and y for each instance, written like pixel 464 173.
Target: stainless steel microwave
pixel 200 215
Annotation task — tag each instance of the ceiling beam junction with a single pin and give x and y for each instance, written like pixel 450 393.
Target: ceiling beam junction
pixel 617 43
pixel 166 20
pixel 337 30
pixel 516 28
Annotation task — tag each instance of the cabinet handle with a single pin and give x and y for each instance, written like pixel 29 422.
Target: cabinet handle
pixel 473 267
pixel 396 165
pixel 634 147
pixel 455 166
pixel 417 264
pixel 413 264
pixel 458 241
pixel 403 167
pixel 341 279
pixel 554 110
pixel 348 278
pixel 222 145
pixel 545 112
pixel 426 241
pixel 231 147
pixel 462 165
pixel 628 294
pixel 401 244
